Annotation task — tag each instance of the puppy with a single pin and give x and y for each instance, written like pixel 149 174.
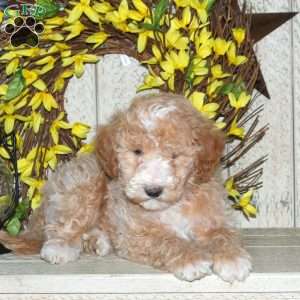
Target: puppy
pixel 148 194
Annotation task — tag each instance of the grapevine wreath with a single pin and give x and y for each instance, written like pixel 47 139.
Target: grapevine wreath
pixel 199 48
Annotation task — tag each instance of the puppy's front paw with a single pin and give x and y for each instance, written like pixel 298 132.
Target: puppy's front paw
pixel 59 253
pixel 233 268
pixel 194 270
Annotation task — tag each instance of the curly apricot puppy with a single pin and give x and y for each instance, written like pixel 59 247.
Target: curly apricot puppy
pixel 148 194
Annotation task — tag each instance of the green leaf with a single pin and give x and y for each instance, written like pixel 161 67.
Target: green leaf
pixel 189 77
pixel 148 26
pixel 47 9
pixel 22 210
pixel 227 88
pixel 210 4
pixel 159 11
pixel 233 87
pixel 13 227
pixel 16 86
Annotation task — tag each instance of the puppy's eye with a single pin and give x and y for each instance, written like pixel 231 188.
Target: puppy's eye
pixel 138 152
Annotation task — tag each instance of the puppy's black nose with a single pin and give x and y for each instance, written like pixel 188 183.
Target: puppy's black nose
pixel 153 191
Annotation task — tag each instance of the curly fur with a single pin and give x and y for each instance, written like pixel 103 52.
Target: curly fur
pixel 148 194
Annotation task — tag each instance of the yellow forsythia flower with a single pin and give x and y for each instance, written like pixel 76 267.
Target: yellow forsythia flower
pixel 176 40
pixel 213 87
pixel 141 7
pixel 80 130
pixel 239 35
pixel 151 81
pixel 143 39
pixel 32 52
pixel 12 66
pixel 29 75
pixel 220 46
pixel 60 81
pixel 62 149
pixel 25 167
pixel 83 7
pixel 57 124
pixel 87 148
pixel 156 58
pixel 241 102
pixel 1 16
pixel 174 61
pixel 75 29
pixel 3 89
pixel 103 7
pixel 50 157
pixel 49 34
pixel 209 109
pixel 4 153
pixel 78 60
pixel 47 62
pixel 60 47
pixel 97 38
pixel 246 206
pixel 218 73
pixel 9 117
pixel 185 20
pixel 119 17
pixel 36 200
pixel 44 98
pixel 232 192
pixel 36 121
pixel 233 58
pixel 235 130
pixel 34 184
pixel 55 21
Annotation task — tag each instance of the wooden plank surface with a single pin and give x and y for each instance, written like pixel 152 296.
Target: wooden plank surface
pixel 276 269
pixel 144 284
pixel 296 96
pixel 169 296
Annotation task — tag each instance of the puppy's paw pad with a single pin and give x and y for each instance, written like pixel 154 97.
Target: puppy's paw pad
pixel 56 253
pixel 235 269
pixel 194 271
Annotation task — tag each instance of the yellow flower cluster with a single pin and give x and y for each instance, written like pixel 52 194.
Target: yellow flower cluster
pixel 242 202
pixel 32 110
pixel 183 46
pixel 179 46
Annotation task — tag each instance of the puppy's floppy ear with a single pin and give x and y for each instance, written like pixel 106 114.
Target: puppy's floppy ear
pixel 212 142
pixel 105 147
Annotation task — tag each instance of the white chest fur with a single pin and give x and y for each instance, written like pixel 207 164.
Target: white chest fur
pixel 175 221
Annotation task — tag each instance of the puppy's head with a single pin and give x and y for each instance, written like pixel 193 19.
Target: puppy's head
pixel 156 147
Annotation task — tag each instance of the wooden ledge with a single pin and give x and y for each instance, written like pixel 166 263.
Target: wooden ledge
pixel 275 252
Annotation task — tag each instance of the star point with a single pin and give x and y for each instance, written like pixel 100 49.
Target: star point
pixel 262 24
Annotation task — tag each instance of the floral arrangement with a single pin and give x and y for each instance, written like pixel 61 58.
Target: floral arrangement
pixel 199 48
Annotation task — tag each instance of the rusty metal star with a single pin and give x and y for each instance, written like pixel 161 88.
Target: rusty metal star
pixel 262 24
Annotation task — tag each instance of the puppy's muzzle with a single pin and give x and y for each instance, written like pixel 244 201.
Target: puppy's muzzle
pixel 153 191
